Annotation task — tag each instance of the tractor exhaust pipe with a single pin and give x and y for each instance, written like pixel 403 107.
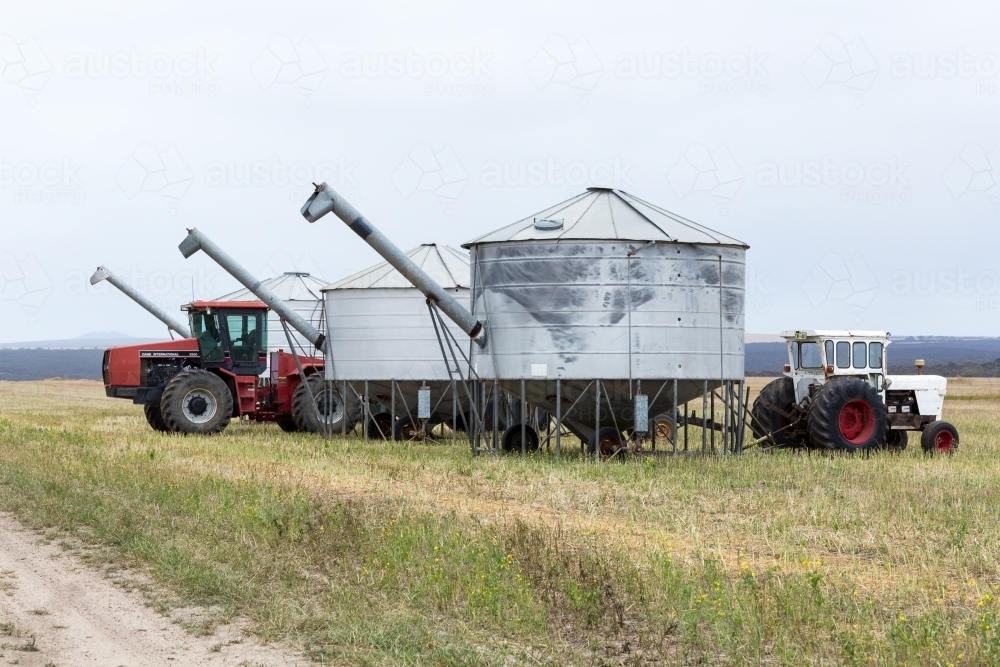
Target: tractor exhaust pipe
pixel 157 312
pixel 325 199
pixel 196 241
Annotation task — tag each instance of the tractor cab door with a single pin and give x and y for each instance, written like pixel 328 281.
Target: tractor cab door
pixel 206 329
pixel 247 338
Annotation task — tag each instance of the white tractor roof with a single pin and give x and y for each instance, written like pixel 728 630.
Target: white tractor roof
pixel 291 286
pixel 446 265
pixel 834 333
pixel 606 213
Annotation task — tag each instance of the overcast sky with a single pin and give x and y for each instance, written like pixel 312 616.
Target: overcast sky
pixel 853 146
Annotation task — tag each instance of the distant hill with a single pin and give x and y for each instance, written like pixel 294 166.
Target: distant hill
pixel 73 358
pixel 80 358
pixel 951 357
pixel 41 364
pixel 91 341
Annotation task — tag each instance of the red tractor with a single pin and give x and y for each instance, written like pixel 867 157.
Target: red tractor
pixel 197 385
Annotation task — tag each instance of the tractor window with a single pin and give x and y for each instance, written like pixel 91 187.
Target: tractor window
pixel 875 355
pixel 829 353
pixel 843 354
pixel 205 327
pixel 244 337
pixel 860 355
pixel 809 356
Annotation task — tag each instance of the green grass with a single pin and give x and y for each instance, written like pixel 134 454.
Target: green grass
pixel 376 554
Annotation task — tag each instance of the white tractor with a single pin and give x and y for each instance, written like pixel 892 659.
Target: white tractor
pixel 835 394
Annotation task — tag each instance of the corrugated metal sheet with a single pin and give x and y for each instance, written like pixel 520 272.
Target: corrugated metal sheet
pixel 380 330
pixel 607 214
pixel 446 265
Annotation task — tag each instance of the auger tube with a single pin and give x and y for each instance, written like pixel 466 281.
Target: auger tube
pixel 196 241
pixel 129 291
pixel 326 199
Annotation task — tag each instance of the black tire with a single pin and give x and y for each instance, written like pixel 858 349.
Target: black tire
pixel 609 440
pixel 664 429
pixel 488 417
pixel 939 438
pixel 407 429
pixel 847 414
pixel 776 395
pixel 196 402
pixel 310 414
pixel 511 441
pixel 288 426
pixel 154 417
pixel 896 440
pixel 380 426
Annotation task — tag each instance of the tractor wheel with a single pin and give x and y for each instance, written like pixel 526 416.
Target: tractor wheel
pixel 776 395
pixel 196 402
pixel 896 440
pixel 664 429
pixel 849 415
pixel 939 438
pixel 323 413
pixel 609 440
pixel 408 429
pixel 154 417
pixel 512 439
pixel 288 426
pixel 380 426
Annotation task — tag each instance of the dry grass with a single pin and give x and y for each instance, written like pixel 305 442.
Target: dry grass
pixel 783 557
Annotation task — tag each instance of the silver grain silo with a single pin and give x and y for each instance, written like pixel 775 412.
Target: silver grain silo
pixel 301 291
pixel 383 339
pixel 603 309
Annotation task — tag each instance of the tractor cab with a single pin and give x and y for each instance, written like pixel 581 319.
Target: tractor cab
pixel 816 357
pixel 231 335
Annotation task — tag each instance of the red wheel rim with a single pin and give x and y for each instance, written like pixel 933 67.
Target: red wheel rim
pixel 856 422
pixel 944 441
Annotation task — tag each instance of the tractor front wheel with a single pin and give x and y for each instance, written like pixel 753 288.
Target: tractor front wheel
pixel 771 411
pixel 849 415
pixel 196 402
pixel 939 438
pixel 896 440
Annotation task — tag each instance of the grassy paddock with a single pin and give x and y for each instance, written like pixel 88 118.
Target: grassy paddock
pixel 377 554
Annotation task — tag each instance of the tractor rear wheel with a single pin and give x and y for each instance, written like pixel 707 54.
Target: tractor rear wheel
pixel 512 439
pixel 288 426
pixel 939 438
pixel 154 417
pixel 849 415
pixel 323 412
pixel 775 401
pixel 196 402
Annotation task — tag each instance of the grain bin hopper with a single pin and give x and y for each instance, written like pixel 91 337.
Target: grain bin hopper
pixel 602 296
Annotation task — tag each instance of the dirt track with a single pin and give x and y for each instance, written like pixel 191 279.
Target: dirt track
pixel 72 615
